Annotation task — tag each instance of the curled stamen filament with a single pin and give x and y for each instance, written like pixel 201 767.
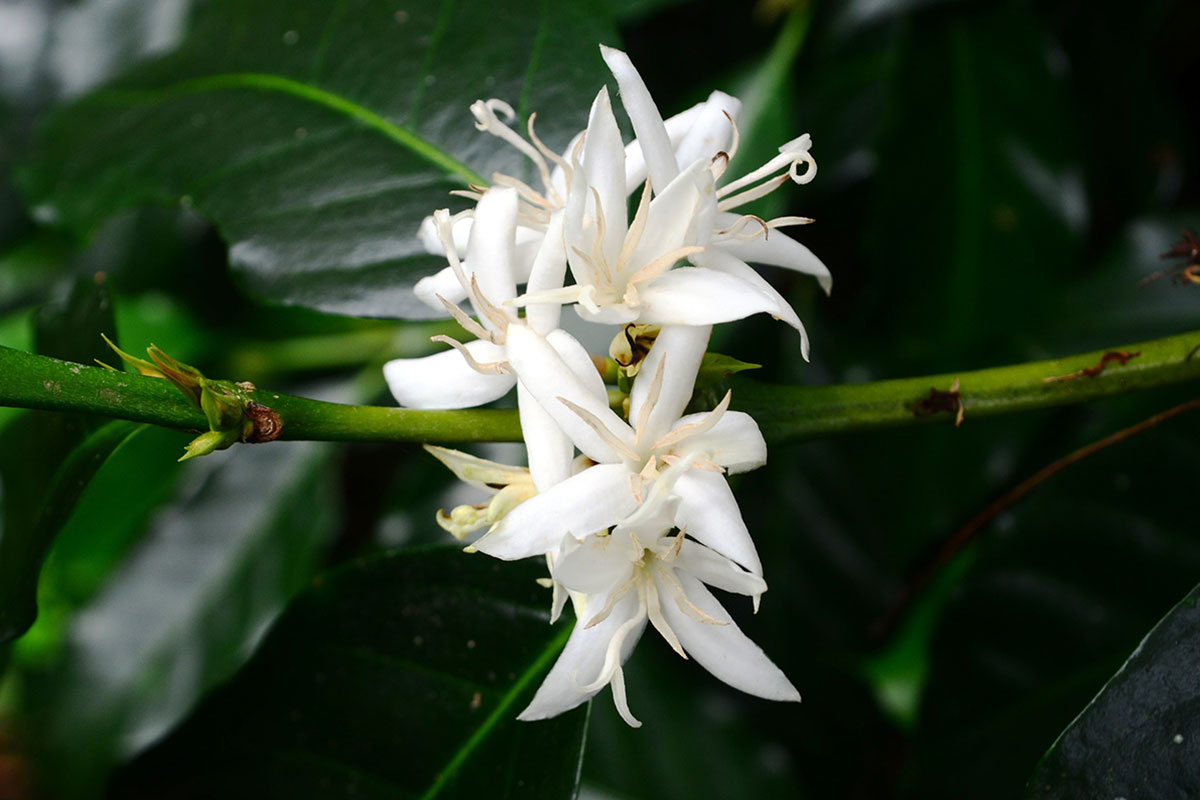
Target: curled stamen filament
pixel 791 156
pixel 486 120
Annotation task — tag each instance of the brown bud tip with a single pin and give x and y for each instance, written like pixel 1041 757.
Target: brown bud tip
pixel 267 424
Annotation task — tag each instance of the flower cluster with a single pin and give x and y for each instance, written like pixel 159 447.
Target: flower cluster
pixel 638 525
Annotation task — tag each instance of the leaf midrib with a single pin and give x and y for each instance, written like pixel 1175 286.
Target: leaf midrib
pixel 549 653
pixel 269 82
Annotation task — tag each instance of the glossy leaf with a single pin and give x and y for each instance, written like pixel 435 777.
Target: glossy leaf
pixel 47 459
pixel 184 611
pixel 1062 589
pixel 397 676
pixel 318 135
pixel 1140 737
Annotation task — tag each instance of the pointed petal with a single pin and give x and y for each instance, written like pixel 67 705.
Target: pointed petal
pixel 445 380
pixel 677 351
pixel 549 450
pixel 712 131
pixel 491 252
pixel 581 660
pixel 735 442
pixel 548 272
pixel 635 162
pixel 698 296
pixel 671 220
pixel 777 249
pixel 577 239
pixel 548 377
pixel 583 504
pixel 476 471
pixel 708 513
pixel 604 165
pixel 579 361
pixel 647 121
pixel 716 570
pixel 723 261
pixel 443 282
pixel 723 650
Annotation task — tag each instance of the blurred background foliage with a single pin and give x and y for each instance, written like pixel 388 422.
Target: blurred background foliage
pixel 996 177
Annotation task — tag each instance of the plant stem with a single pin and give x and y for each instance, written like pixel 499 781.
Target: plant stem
pixel 784 413
pixel 795 413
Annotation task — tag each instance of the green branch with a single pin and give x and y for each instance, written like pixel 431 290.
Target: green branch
pixel 785 413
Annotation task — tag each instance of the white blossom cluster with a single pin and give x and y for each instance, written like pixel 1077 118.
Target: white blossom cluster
pixel 640 523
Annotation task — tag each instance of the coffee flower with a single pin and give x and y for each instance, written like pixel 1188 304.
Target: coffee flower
pixel 618 583
pixel 664 471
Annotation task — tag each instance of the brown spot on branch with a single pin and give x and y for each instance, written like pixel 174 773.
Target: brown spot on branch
pixel 939 402
pixel 266 420
pixel 1122 356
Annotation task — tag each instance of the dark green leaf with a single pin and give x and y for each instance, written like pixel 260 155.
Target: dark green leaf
pixel 317 135
pixel 397 677
pixel 1063 586
pixel 47 459
pixel 991 160
pixel 1140 736
pixel 184 612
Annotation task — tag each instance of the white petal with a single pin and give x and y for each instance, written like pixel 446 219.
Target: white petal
pixel 548 377
pixel 548 272
pixel 445 380
pixel 678 351
pixel 491 252
pixel 712 131
pixel 723 650
pixel 723 261
pixel 708 513
pixel 647 121
pixel 717 570
pixel 735 442
pixel 460 229
pixel 672 215
pixel 578 238
pixel 697 296
pixel 583 504
pixel 635 163
pixel 581 660
pixel 476 471
pixel 604 165
pixel 777 249
pixel 596 565
pixel 549 450
pixel 443 282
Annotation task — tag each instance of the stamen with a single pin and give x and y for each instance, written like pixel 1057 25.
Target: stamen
pixel 791 152
pixel 674 437
pixel 613 599
pixel 643 420
pixel 681 600
pixel 663 263
pixel 761 190
pixel 654 612
pixel 636 228
pixel 469 194
pixel 527 192
pixel 563 296
pixel 497 317
pixel 598 257
pixel 603 432
pixel 469 325
pixel 720 163
pixel 486 120
pixel 554 157
pixel 737 135
pixel 491 368
pixel 736 229
pixel 612 655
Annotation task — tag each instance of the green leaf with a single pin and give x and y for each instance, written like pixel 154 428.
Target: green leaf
pixel 1139 736
pixel 397 676
pixel 47 459
pixel 184 612
pixel 993 156
pixel 317 135
pixel 1062 588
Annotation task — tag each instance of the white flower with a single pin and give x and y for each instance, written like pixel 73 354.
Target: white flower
pixel 663 472
pixel 508 486
pixel 478 372
pixel 617 584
